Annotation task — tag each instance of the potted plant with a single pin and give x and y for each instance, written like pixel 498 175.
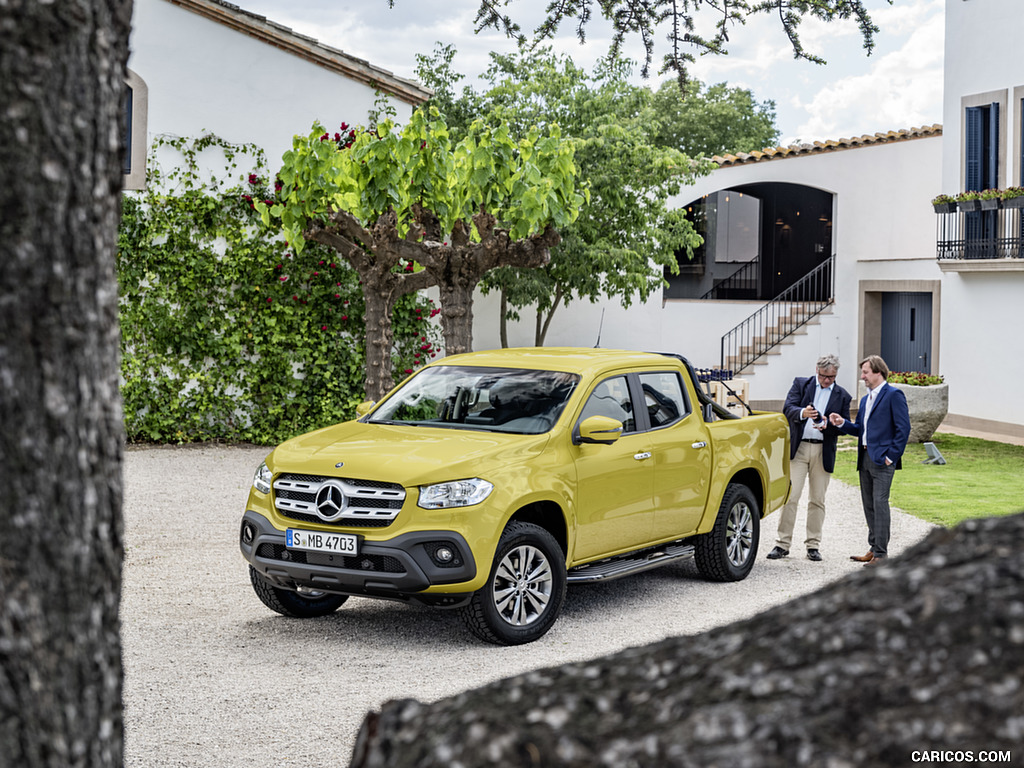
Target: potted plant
pixel 968 201
pixel 989 199
pixel 927 400
pixel 944 204
pixel 1013 197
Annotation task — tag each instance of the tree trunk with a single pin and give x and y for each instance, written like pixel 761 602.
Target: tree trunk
pixel 923 653
pixel 457 317
pixel 544 321
pixel 62 69
pixel 456 280
pixel 503 320
pixel 380 302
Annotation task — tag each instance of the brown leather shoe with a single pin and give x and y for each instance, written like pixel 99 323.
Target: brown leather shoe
pixel 875 561
pixel 863 558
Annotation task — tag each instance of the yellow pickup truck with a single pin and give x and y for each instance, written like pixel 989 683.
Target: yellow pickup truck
pixel 492 480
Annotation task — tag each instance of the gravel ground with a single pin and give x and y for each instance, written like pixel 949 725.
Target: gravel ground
pixel 213 678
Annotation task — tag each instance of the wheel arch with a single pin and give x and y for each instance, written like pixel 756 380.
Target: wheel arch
pixel 549 516
pixel 751 478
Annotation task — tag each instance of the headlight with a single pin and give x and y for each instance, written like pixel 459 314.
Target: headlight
pixel 262 478
pixel 459 493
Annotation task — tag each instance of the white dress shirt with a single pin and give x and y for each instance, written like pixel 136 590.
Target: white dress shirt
pixel 821 398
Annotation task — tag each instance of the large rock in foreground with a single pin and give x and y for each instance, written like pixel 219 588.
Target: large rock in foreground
pixel 925 653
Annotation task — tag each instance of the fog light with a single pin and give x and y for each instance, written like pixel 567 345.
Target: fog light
pixel 444 555
pixel 248 533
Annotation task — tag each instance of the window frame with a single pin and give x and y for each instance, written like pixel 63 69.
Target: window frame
pixel 138 133
pixel 641 418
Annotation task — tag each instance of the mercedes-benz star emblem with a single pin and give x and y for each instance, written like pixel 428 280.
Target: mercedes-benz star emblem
pixel 330 501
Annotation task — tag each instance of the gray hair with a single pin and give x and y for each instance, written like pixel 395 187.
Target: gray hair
pixel 828 361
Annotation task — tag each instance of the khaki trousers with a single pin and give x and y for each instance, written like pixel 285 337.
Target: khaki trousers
pixel 806 467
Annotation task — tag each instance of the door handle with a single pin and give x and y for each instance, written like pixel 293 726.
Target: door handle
pixel 642 456
pixel 700 444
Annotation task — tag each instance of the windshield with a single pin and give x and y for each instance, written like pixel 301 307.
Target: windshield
pixel 492 399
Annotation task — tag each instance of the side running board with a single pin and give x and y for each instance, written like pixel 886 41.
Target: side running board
pixel 607 570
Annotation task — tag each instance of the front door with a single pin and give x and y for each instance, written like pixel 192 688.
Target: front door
pixel 614 482
pixel 907 331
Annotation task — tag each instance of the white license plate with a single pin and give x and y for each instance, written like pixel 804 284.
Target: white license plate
pixel 319 541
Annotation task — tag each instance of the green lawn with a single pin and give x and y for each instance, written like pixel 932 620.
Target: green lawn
pixel 980 479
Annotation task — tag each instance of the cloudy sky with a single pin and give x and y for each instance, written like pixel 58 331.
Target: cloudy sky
pixel 898 86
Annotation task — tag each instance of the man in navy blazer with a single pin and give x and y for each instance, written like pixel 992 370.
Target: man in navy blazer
pixel 812 451
pixel 883 427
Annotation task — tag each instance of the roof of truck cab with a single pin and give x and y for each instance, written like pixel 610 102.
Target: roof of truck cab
pixel 582 360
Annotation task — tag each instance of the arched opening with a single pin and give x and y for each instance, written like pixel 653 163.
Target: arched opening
pixel 759 239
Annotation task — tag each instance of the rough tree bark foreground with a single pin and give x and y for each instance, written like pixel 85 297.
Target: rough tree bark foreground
pixel 62 68
pixel 922 654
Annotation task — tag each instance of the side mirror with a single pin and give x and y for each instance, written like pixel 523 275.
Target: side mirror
pixel 598 429
pixel 364 408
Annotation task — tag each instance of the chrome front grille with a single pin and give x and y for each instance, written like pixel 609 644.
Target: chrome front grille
pixel 367 503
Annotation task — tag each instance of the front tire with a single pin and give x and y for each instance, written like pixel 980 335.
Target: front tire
pixel 524 591
pixel 292 604
pixel 727 552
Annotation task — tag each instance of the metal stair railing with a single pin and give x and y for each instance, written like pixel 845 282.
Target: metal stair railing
pixel 743 279
pixel 780 317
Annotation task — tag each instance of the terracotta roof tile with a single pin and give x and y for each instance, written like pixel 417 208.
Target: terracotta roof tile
pixel 830 145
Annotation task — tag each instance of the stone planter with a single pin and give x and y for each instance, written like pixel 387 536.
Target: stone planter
pixel 927 405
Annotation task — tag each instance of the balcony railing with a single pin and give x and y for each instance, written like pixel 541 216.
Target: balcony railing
pixel 741 284
pixel 990 234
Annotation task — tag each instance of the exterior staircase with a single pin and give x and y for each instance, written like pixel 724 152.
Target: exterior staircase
pixel 776 323
pixel 773 341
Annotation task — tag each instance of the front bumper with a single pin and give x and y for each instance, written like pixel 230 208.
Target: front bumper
pixel 400 568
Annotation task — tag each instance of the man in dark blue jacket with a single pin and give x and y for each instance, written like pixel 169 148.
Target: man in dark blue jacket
pixel 883 427
pixel 812 451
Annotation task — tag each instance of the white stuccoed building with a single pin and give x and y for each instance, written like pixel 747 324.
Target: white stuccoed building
pixel 204 66
pixel 933 292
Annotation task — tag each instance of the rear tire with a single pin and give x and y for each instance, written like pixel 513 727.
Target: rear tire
pixel 727 551
pixel 292 604
pixel 524 591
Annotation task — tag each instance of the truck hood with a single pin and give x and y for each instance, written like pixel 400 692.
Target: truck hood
pixel 403 454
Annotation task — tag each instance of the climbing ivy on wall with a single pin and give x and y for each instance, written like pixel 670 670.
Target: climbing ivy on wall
pixel 226 333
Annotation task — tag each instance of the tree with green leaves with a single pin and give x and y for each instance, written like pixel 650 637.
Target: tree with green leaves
pixel 408 208
pixel 708 120
pixel 626 235
pixel 679 20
